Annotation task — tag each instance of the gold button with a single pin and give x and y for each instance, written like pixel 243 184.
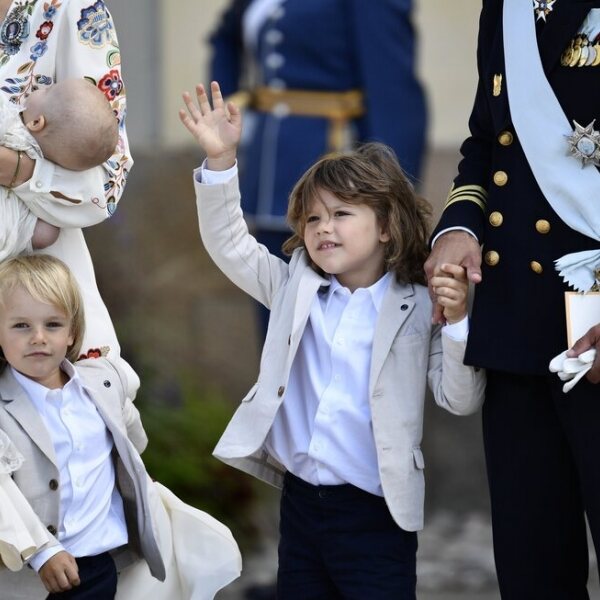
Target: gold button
pixel 500 178
pixel 505 138
pixel 536 267
pixel 542 226
pixel 492 258
pixel 496 218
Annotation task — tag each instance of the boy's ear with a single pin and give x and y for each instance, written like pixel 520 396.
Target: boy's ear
pixel 384 236
pixel 36 124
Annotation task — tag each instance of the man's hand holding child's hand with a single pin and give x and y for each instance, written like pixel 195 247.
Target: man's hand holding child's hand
pixel 217 129
pixel 451 289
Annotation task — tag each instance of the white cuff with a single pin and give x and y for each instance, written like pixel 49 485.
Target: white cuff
pixel 458 228
pixel 208 177
pixel 457 331
pixel 39 559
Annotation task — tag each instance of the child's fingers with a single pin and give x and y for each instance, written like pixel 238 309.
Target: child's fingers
pixel 455 271
pixel 217 97
pixel 193 111
pixel 203 102
pixel 235 114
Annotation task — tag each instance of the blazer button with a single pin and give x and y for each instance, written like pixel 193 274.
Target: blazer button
pixel 542 226
pixel 500 178
pixel 280 391
pixel 505 138
pixel 106 383
pixel 51 529
pixel 404 307
pixel 53 484
pixel 496 219
pixel 492 258
pixel 536 267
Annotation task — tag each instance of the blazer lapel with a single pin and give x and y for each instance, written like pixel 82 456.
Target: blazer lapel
pixel 309 283
pixel 396 307
pixel 18 404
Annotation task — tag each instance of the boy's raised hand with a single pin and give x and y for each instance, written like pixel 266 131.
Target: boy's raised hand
pixel 217 129
pixel 451 289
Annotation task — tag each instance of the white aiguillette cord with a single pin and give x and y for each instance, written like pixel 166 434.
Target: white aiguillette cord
pixel 542 127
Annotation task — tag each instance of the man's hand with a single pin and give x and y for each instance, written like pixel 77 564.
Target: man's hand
pixel 590 340
pixel 217 129
pixel 458 248
pixel 60 573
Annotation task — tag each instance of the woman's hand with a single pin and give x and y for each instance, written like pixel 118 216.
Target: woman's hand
pixel 217 129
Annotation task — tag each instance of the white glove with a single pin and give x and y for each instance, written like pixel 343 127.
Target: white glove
pixel 571 370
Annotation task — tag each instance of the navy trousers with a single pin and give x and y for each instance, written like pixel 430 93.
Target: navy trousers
pixel 98 576
pixel 340 542
pixel 543 461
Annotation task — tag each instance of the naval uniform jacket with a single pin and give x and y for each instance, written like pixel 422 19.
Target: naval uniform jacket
pixel 38 478
pixel 319 45
pixel 518 320
pixel 406 357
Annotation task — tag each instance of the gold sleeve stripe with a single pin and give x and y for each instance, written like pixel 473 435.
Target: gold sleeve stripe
pixel 469 193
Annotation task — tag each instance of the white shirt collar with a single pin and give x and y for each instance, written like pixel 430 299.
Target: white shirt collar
pixel 38 392
pixel 376 291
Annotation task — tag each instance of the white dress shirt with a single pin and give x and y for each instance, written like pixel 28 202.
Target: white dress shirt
pixel 322 432
pixel 91 519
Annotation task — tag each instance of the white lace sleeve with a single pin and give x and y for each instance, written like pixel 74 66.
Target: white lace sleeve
pixel 10 458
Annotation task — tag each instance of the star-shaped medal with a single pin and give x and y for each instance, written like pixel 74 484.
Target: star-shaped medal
pixel 543 8
pixel 584 144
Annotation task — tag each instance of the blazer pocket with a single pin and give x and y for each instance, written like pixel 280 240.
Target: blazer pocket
pixel 251 394
pixel 418 458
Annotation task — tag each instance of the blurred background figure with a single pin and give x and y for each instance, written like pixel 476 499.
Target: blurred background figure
pixel 315 76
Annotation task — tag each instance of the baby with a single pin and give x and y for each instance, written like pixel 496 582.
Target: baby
pixel 71 124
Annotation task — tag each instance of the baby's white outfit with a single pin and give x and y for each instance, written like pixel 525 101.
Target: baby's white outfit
pixel 18 222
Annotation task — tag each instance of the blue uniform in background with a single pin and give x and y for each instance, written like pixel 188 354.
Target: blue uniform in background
pixel 316 45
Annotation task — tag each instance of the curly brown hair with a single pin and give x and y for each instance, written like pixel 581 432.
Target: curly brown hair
pixel 369 175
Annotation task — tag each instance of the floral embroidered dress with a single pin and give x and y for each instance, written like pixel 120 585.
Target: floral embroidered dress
pixel 42 42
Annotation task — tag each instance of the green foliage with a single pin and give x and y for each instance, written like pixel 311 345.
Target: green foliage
pixel 179 455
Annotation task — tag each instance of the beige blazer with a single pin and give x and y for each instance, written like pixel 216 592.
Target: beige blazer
pixel 408 356
pixel 37 478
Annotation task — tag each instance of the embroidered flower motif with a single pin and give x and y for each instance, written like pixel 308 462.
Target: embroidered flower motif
pixel 111 84
pixel 50 9
pixel 38 50
pixel 14 31
pixel 94 353
pixel 44 31
pixel 95 26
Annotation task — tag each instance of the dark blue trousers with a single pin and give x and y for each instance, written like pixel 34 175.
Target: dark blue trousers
pixel 339 542
pixel 98 576
pixel 543 460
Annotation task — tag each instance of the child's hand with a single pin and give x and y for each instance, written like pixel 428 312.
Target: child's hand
pixel 217 129
pixel 60 573
pixel 451 289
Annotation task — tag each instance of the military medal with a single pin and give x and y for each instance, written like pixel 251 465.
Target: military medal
pixel 584 144
pixel 543 8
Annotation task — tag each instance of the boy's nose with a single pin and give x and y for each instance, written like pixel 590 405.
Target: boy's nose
pixel 38 336
pixel 324 225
